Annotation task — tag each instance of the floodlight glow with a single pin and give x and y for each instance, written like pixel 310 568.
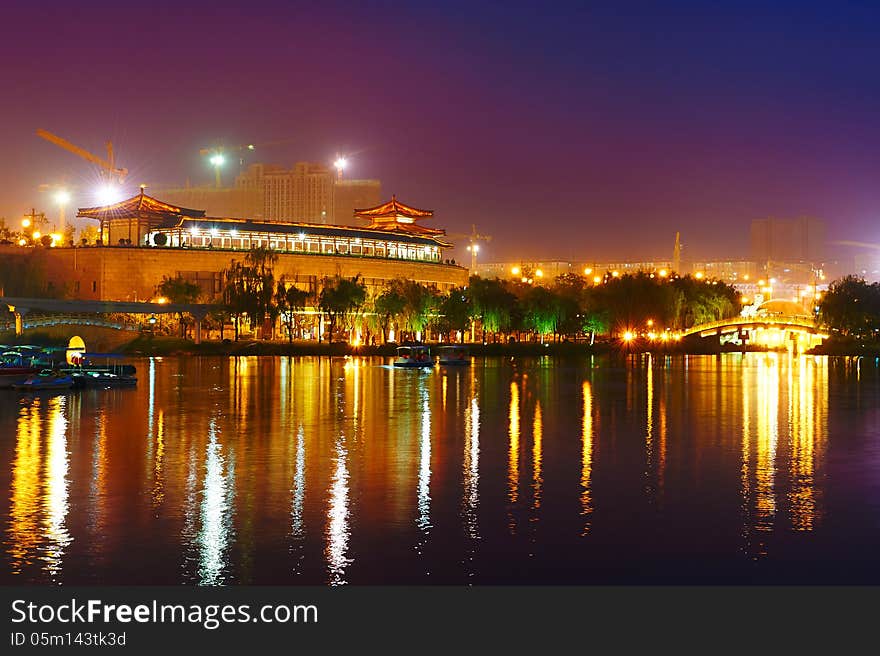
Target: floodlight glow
pixel 108 194
pixel 217 160
pixel 62 197
pixel 341 163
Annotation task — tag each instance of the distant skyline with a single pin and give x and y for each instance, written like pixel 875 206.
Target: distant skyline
pixel 564 130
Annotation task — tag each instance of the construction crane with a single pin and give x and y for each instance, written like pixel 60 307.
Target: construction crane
pixel 107 166
pixel 217 154
pixel 473 247
pixel 217 157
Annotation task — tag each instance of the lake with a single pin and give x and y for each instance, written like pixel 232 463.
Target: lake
pixel 763 468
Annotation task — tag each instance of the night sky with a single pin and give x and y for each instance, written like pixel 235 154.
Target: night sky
pixel 565 130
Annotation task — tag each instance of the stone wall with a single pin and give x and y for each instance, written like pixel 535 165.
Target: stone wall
pixel 132 273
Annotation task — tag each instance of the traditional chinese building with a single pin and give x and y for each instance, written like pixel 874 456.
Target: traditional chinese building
pixel 145 239
pixel 129 221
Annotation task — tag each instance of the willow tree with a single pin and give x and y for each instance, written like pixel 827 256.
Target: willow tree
pixel 492 303
pixel 289 299
pixel 181 291
pixel 341 298
pixel 541 311
pixel 249 288
pixel 388 305
pixel 455 312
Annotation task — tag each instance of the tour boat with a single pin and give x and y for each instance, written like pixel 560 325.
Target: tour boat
pixel 16 365
pixel 453 355
pixel 45 381
pixel 86 373
pixel 413 356
pixel 103 379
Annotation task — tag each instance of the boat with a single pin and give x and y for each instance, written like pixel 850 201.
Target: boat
pixel 102 379
pixel 17 364
pixel 413 356
pixel 45 381
pixel 88 374
pixel 453 355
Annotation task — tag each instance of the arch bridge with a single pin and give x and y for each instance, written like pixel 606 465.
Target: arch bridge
pixel 121 315
pixel 772 330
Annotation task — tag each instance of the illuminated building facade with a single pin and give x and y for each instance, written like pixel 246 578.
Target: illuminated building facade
pixel 304 193
pixel 170 241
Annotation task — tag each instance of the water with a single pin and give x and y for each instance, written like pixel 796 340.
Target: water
pixel 762 468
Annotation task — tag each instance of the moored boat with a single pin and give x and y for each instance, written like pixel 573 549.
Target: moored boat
pixel 45 381
pixel 103 379
pixel 413 356
pixel 17 364
pixel 453 355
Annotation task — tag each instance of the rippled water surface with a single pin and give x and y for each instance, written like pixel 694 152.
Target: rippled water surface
pixel 762 468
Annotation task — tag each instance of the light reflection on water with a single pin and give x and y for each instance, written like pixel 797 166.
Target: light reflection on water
pixel 309 470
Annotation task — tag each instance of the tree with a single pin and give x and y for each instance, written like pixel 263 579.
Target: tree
pixel 289 299
pixel 492 303
pixel 851 306
pixel 249 289
pixel 341 298
pixel 261 262
pixel 180 291
pixel 420 304
pixel 388 305
pixel 455 311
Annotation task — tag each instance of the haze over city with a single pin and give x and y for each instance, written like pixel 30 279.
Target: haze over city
pixel 571 132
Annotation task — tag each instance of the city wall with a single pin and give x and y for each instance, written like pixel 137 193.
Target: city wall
pixel 129 273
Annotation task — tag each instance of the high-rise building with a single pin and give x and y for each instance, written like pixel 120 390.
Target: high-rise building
pixel 308 192
pixel 304 193
pixel 349 195
pixel 801 239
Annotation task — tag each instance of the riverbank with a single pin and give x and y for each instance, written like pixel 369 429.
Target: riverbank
pixel 164 346
pixel 144 345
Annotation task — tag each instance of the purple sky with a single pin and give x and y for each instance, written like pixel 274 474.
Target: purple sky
pixel 563 131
